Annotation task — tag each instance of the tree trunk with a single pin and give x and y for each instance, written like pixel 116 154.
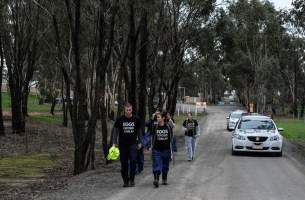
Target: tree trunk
pixel 64 107
pixel 18 121
pixel 2 131
pixel 15 83
pixel 53 105
pixel 103 70
pixel 79 107
pixel 172 96
pixel 31 53
pixel 25 102
pixel 214 92
pixel 302 108
pixel 31 61
pixel 143 69
pixel 120 93
pixel 104 131
pixel 132 96
pixel 172 109
pixel 151 98
pixel 295 102
pixel 67 100
pixel 161 100
pixel 20 44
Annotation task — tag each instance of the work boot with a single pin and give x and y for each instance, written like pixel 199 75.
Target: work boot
pixel 126 181
pixel 125 184
pixel 156 180
pixel 131 183
pixel 164 179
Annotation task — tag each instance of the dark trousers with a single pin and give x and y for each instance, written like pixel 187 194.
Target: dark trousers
pixel 140 161
pixel 128 158
pixel 161 161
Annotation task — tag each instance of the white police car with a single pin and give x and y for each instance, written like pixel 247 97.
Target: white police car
pixel 233 118
pixel 257 133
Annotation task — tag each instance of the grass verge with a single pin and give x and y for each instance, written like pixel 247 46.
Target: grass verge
pixel 56 119
pixel 33 105
pixel 294 130
pixel 25 166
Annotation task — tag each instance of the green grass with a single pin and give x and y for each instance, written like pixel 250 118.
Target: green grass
pixel 6 101
pixel 56 119
pixel 25 166
pixel 33 105
pixel 293 129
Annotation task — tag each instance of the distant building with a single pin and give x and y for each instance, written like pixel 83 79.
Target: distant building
pixel 33 89
pixel 192 100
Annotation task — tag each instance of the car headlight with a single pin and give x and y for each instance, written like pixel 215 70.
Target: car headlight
pixel 274 138
pixel 239 137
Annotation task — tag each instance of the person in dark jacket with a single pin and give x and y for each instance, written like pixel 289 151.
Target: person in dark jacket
pixel 171 123
pixel 127 136
pixel 161 149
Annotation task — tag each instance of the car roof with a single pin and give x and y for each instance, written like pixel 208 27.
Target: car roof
pixel 238 111
pixel 252 113
pixel 255 117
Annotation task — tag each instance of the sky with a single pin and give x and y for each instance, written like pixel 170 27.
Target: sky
pixel 279 4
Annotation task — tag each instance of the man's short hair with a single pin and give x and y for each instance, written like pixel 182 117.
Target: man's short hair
pixel 127 105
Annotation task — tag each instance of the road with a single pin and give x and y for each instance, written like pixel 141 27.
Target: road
pixel 217 175
pixel 214 174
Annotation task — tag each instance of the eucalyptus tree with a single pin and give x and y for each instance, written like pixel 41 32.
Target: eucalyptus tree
pixel 298 18
pixel 2 130
pixel 21 37
pixel 251 41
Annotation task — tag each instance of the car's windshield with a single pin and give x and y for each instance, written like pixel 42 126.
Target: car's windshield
pixel 235 115
pixel 256 124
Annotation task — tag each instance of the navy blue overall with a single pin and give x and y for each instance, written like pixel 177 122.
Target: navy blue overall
pixel 161 149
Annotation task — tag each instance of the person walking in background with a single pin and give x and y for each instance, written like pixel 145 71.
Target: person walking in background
pixel 140 151
pixel 191 129
pixel 161 148
pixel 140 158
pixel 127 136
pixel 151 123
pixel 171 123
pixel 170 120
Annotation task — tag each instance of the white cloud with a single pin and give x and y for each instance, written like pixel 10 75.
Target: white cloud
pixel 279 4
pixel 282 4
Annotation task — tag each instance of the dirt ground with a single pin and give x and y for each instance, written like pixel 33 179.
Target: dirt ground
pixel 57 141
pixel 54 140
